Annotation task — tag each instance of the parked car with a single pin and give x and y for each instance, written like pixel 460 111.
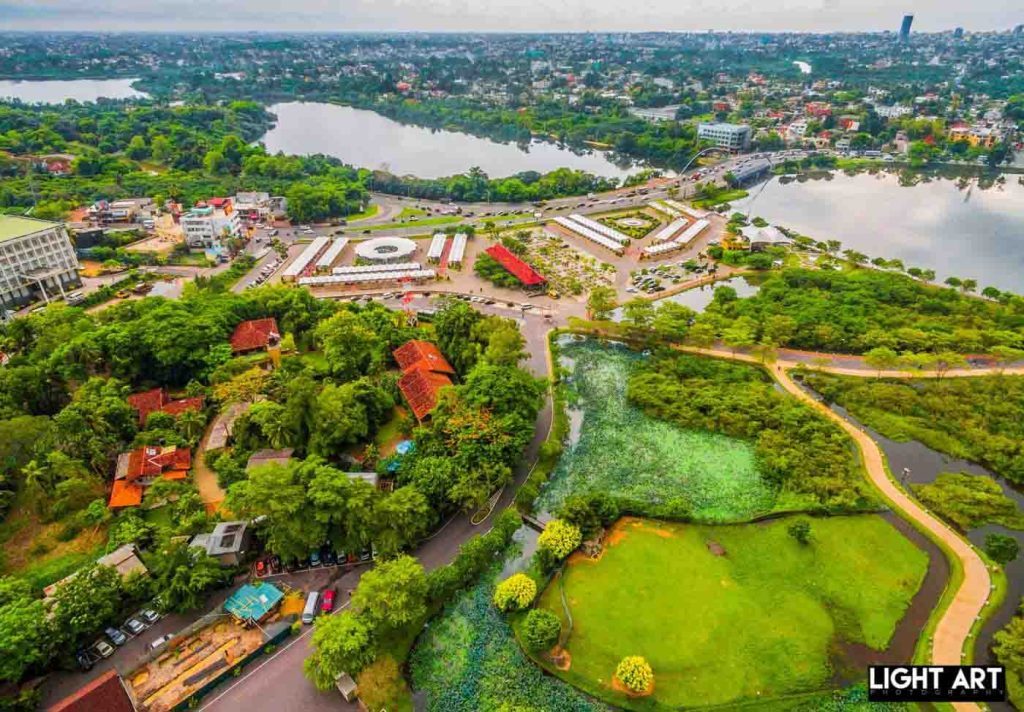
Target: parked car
pixel 134 626
pixel 161 641
pixel 261 568
pixel 149 615
pixel 314 559
pixel 116 636
pixel 103 648
pixel 327 602
pixel 84 660
pixel 329 557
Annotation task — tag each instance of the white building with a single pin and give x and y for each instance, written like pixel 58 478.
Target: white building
pixel 206 227
pixel 895 111
pixel 735 137
pixel 37 260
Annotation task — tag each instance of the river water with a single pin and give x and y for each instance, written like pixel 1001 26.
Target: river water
pixel 368 140
pixel 59 91
pixel 964 227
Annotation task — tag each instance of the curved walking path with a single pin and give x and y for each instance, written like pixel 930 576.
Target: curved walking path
pixel 954 628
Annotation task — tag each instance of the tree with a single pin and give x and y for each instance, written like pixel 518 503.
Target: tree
pixel 190 424
pixel 349 347
pixel 1001 548
pixel 948 360
pixel 560 538
pixel 242 388
pixel 1006 355
pixel 269 418
pixel 515 593
pixel 968 285
pixel 342 643
pixel 589 512
pixel 85 603
pixel 400 519
pixel 800 530
pixel 634 673
pixel 392 594
pixel 601 302
pixel 881 359
pixel 541 629
pixel 740 334
pixel 183 574
pixel 701 335
pixel 672 321
pixel 275 494
pixel 639 313
pixel 380 684
pixel 25 636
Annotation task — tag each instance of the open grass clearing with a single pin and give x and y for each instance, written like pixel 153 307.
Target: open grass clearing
pixel 765 618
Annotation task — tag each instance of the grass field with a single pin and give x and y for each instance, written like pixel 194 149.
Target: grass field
pixel 763 619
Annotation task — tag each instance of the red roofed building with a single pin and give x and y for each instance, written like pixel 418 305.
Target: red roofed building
pixel 156 400
pixel 254 335
pixel 519 269
pixel 107 693
pixel 425 371
pixel 421 354
pixel 139 468
pixel 420 387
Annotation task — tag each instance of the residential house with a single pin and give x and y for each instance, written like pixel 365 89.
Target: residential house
pixel 156 400
pixel 255 335
pixel 139 468
pixel 124 559
pixel 425 371
pixel 265 457
pixel 229 542
pixel 105 693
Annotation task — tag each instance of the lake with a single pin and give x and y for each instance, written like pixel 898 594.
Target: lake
pixel 368 140
pixel 58 91
pixel 698 298
pixel 953 226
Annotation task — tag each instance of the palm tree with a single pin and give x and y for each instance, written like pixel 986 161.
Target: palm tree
pixel 191 424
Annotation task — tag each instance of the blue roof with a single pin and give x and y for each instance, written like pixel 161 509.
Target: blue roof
pixel 405 447
pixel 252 602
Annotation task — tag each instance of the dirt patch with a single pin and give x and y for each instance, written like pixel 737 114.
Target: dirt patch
pixel 715 548
pixel 561 658
pixel 619 687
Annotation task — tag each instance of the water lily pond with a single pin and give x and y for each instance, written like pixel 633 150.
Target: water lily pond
pixel 660 469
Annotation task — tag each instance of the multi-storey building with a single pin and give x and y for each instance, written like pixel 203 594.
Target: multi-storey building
pixel 37 260
pixel 207 226
pixel 735 137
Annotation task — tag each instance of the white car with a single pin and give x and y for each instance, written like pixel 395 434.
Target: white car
pixel 161 641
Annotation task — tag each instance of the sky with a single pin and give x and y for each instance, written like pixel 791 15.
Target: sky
pixel 505 15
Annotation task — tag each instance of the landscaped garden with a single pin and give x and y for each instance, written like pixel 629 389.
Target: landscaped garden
pixel 637 224
pixel 733 613
pixel 649 465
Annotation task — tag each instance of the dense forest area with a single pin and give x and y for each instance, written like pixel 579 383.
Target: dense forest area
pixel 64 418
pixel 857 310
pixel 797 450
pixel 978 419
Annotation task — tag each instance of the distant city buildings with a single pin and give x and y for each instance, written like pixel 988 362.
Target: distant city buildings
pixel 908 20
pixel 734 137
pixel 37 260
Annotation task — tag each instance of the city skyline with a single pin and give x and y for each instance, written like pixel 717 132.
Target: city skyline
pixel 812 16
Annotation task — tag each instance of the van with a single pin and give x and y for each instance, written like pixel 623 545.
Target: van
pixel 309 612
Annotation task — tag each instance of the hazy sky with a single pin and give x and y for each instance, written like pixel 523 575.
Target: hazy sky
pixel 505 15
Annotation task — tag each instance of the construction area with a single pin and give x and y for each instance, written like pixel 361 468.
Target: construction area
pixel 198 658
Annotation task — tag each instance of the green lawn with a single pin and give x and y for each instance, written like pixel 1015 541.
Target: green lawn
pixel 370 211
pixel 760 621
pixel 439 220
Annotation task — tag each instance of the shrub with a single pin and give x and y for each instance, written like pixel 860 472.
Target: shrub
pixel 634 673
pixel 800 530
pixel 541 630
pixel 1001 548
pixel 515 593
pixel 560 538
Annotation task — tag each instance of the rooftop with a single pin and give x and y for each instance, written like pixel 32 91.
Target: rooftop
pixel 12 226
pixel 517 267
pixel 252 602
pixel 104 694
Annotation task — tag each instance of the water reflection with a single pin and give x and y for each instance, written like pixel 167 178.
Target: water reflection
pixel 367 139
pixel 698 298
pixel 967 227
pixel 59 91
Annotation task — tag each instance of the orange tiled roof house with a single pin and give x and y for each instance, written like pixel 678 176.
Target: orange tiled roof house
pixel 425 371
pixel 139 468
pixel 156 400
pixel 255 335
